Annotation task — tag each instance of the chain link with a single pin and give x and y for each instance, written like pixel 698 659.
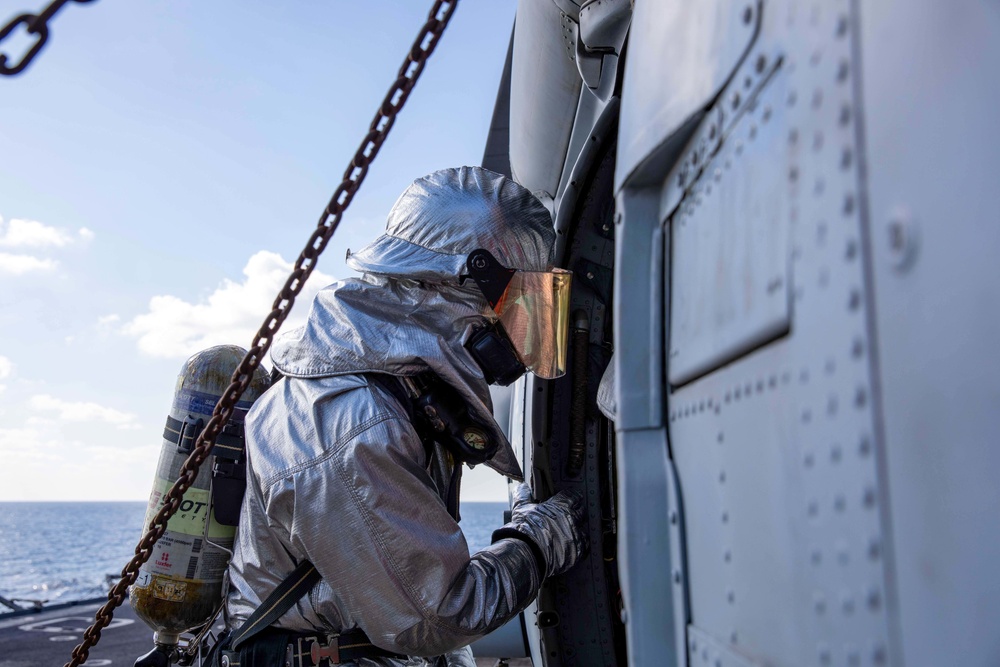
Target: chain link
pixel 427 39
pixel 35 24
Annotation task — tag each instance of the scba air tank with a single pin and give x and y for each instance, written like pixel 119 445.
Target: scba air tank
pixel 179 588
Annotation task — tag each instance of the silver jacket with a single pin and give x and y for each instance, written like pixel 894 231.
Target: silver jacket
pixel 338 476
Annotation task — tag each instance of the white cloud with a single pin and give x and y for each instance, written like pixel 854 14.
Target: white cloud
pixel 174 328
pixel 82 411
pixel 21 264
pixel 21 234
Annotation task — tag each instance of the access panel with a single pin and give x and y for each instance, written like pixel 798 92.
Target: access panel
pixel 730 267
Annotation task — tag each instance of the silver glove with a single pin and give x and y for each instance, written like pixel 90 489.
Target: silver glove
pixel 554 529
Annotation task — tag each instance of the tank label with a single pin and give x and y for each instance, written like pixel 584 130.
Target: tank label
pixel 191 515
pixel 202 403
pixel 184 552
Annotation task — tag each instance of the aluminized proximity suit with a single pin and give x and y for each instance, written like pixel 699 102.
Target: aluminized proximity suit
pixel 337 474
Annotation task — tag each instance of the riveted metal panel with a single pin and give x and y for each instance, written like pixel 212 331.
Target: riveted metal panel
pixel 932 92
pixel 707 651
pixel 776 451
pixel 885 386
pixel 684 53
pixel 731 287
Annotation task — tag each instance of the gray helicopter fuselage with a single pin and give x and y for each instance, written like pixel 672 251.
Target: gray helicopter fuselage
pixel 781 216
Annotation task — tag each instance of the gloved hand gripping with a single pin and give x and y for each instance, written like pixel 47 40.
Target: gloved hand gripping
pixel 554 529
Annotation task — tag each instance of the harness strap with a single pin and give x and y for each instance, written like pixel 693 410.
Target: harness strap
pixel 281 599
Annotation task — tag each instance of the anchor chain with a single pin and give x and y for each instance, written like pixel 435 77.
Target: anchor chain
pixel 35 24
pixel 383 121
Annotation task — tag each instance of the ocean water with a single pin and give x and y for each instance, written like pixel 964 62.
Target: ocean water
pixel 60 552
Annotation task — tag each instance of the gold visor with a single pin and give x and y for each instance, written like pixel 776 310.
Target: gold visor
pixel 534 312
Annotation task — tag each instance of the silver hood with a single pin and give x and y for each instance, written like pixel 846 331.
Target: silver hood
pixel 400 327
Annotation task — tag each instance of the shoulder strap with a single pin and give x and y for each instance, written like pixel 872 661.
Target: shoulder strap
pixel 277 603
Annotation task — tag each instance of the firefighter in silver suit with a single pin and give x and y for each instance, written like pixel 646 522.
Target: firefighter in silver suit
pixel 340 475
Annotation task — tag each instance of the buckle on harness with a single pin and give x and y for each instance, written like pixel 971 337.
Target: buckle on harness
pixel 331 651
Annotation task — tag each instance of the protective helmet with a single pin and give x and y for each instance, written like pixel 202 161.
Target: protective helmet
pixel 442 218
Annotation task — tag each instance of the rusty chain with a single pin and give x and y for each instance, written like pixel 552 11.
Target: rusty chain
pixel 35 24
pixel 383 121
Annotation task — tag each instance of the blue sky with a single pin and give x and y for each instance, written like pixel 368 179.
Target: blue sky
pixel 161 165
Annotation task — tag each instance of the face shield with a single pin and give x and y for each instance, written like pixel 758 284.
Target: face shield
pixel 532 308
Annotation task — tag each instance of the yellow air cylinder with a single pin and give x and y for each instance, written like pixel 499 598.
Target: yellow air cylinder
pixel 179 589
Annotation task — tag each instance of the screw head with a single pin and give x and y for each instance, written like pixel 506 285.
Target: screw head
pixel 901 240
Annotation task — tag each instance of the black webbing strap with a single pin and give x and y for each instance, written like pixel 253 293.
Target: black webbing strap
pixel 229 444
pixel 182 433
pixel 277 603
pixel 231 441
